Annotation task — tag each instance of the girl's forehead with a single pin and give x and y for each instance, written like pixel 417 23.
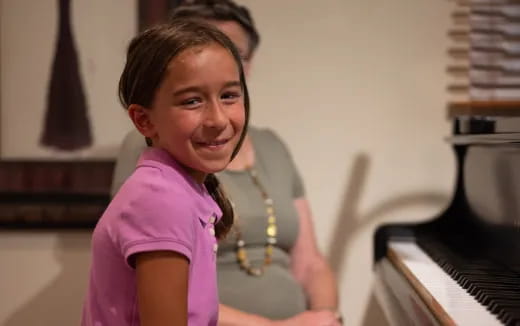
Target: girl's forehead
pixel 211 61
pixel 186 54
pixel 199 53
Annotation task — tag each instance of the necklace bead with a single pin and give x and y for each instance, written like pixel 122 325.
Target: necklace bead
pixel 271 231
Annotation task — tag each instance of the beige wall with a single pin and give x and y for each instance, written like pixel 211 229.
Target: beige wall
pixel 43 277
pixel 357 90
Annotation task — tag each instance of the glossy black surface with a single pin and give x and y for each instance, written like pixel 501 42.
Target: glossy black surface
pixel 476 240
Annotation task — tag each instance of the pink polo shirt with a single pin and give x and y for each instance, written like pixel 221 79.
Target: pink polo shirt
pixel 159 207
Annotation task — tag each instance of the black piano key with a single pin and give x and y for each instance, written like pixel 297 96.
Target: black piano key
pixel 495 300
pixel 480 292
pixel 512 318
pixel 498 303
pixel 494 285
pixel 499 282
pixel 507 311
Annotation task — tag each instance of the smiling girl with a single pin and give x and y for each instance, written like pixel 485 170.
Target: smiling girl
pixel 153 250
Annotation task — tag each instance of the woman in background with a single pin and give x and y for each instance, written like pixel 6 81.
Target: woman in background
pixel 270 271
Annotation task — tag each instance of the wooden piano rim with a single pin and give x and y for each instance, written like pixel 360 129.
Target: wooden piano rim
pixel 484 108
pixel 440 314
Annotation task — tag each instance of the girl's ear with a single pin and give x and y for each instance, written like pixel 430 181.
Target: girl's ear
pixel 140 116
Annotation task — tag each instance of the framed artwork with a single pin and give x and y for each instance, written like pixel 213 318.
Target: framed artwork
pixel 60 120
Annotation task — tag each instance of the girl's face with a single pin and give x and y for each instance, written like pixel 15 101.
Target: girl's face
pixel 198 111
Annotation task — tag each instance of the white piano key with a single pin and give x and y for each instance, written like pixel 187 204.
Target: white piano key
pixel 455 301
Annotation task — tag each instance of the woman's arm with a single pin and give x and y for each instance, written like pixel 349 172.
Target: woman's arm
pixel 232 317
pixel 228 316
pixel 162 288
pixel 309 266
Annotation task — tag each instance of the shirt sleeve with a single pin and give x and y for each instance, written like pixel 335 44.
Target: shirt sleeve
pixel 155 217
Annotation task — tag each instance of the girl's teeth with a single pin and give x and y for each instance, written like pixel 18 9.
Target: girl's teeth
pixel 214 143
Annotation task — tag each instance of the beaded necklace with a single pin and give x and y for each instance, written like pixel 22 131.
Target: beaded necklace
pixel 271 231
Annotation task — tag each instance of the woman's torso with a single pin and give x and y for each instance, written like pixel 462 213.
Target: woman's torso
pixel 275 294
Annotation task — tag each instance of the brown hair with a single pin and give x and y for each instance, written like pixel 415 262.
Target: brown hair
pixel 148 57
pixel 221 10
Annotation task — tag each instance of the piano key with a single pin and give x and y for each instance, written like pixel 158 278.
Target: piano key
pixel 490 279
pixel 455 301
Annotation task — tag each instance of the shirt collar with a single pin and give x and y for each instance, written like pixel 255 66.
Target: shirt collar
pixel 163 157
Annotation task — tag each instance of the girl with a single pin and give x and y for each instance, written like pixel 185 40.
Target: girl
pixel 297 287
pixel 153 250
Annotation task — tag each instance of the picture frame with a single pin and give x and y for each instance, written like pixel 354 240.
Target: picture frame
pixel 68 187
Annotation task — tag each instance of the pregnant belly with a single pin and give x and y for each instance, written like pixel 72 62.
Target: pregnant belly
pixel 275 294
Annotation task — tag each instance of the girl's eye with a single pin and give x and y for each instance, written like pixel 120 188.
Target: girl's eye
pixel 229 96
pixel 191 102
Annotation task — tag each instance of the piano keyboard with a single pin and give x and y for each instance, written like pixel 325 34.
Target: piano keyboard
pixel 490 277
pixel 446 299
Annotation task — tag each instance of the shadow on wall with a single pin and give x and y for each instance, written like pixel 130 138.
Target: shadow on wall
pixel 350 221
pixel 61 301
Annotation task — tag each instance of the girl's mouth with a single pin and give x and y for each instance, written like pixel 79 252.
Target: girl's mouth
pixel 214 144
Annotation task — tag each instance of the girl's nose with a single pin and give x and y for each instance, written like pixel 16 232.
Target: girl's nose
pixel 215 116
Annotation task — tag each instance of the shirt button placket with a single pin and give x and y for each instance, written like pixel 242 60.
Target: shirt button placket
pixel 211 230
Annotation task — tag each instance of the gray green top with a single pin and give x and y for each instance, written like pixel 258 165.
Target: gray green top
pixel 275 294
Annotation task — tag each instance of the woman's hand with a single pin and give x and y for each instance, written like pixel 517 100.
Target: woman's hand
pixel 311 318
pixel 232 317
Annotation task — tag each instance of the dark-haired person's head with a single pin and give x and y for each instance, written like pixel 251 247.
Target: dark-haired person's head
pixel 184 88
pixel 232 19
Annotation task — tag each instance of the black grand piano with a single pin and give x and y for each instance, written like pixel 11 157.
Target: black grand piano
pixel 463 267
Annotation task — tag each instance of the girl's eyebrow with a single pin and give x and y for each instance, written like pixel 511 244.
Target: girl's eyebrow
pixel 233 84
pixel 195 89
pixel 190 89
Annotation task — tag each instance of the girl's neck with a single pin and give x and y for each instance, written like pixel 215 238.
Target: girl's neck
pixel 197 176
pixel 245 157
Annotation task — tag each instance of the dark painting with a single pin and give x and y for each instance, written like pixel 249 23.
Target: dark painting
pixel 68 191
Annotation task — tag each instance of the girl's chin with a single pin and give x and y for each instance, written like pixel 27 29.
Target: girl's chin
pixel 214 166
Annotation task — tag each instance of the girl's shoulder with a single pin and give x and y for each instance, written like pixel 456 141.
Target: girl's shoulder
pixel 148 193
pixel 156 179
pixel 158 167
